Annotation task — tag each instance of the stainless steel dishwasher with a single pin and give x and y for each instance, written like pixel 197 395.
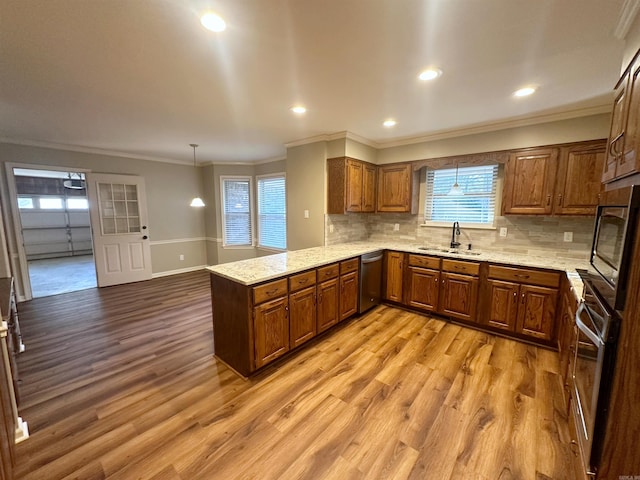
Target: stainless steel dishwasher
pixel 370 280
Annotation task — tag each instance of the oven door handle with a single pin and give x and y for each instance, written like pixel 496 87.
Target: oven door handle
pixel 584 329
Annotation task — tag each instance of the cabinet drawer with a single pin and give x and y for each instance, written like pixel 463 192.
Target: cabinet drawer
pixel 534 277
pixel 423 261
pixel 302 280
pixel 328 272
pixel 349 265
pixel 457 266
pixel 269 291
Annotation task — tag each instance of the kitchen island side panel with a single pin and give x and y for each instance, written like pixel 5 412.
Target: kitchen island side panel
pixel 232 328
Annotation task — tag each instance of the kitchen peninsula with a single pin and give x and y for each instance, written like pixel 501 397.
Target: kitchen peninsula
pixel 265 307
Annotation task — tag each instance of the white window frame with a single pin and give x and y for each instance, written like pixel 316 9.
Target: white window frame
pixel 258 178
pixel 239 178
pixel 470 225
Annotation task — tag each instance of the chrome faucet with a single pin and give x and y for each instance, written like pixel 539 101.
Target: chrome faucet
pixel 455 231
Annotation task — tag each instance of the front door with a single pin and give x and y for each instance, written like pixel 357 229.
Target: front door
pixel 120 228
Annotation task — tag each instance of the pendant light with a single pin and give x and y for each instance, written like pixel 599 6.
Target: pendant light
pixel 456 189
pixel 197 201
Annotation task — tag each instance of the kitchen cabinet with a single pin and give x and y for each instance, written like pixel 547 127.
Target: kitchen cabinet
pixel 579 183
pixel 328 303
pixel 396 186
pixel 302 308
pixel 560 180
pixel 393 275
pixel 567 333
pixel 624 133
pixel 424 282
pixel 529 181
pixel 459 289
pixel 522 301
pixel 270 322
pixel 349 287
pixel 351 186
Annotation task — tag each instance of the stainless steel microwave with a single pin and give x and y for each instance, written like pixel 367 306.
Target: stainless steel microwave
pixel 613 242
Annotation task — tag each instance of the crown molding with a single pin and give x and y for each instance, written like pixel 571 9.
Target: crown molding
pixel 627 15
pixel 328 137
pixel 256 162
pixel 498 125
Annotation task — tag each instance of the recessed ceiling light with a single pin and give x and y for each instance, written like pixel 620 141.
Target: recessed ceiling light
pixel 389 123
pixel 430 74
pixel 523 92
pixel 213 22
pixel 299 109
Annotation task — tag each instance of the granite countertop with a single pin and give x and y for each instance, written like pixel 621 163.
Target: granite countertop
pixel 257 270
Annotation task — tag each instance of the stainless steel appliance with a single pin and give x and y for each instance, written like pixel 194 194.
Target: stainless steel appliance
pixel 370 281
pixel 616 220
pixel 594 359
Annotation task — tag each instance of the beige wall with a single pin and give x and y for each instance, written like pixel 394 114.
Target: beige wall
pixel 564 131
pixel 306 167
pixel 355 149
pixel 631 44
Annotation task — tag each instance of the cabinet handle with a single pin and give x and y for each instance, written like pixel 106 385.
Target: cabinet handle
pixel 436 279
pixel 515 294
pixel 320 298
pixel 559 199
pixel 521 275
pixel 548 200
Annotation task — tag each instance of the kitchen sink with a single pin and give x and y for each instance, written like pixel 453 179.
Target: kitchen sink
pixel 449 251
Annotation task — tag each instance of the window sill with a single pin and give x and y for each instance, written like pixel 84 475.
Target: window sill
pixel 238 247
pixel 467 226
pixel 272 249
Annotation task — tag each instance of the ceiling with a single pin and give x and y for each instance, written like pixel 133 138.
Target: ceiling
pixel 144 78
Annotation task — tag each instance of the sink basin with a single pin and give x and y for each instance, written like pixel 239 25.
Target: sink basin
pixel 449 251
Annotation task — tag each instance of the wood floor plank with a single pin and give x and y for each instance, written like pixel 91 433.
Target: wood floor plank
pixel 127 387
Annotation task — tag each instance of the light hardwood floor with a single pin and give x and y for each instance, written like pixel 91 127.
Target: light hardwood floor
pixel 120 383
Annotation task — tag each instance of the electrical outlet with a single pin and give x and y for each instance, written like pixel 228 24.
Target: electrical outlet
pixel 503 231
pixel 396 227
pixel 181 257
pixel 568 236
pixel 306 214
pixel 330 228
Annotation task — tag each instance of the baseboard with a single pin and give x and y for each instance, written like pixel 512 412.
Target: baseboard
pixel 178 271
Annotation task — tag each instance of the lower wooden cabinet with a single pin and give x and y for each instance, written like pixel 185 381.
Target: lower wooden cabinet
pixel 271 330
pixel 504 305
pixel 567 334
pixel 394 272
pixel 328 304
pixel 349 287
pixel 424 288
pixel 302 316
pixel 458 296
pixel 537 311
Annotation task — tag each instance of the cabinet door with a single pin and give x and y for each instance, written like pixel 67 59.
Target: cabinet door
pixel 328 304
pixel 348 295
pixel 566 342
pixel 503 311
pixel 271 330
pixel 536 311
pixel 368 188
pixel 394 188
pixel 627 159
pixel 394 272
pixel 616 133
pixel 579 180
pixel 459 296
pixel 529 182
pixel 354 186
pixel 424 288
pixel 302 316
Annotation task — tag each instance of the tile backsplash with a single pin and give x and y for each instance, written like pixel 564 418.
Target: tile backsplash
pixel 526 234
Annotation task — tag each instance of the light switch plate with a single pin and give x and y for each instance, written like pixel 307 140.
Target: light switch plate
pixel 503 231
pixel 568 236
pixel 306 214
pixel 330 228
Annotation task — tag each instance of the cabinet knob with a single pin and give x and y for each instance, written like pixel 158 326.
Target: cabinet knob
pixel 548 200
pixel 559 199
pixel 435 279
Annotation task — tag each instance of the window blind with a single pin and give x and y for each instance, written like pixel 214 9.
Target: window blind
pixel 478 203
pixel 272 212
pixel 236 202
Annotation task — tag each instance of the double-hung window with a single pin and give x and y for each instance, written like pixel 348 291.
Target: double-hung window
pixel 474 206
pixel 272 211
pixel 237 228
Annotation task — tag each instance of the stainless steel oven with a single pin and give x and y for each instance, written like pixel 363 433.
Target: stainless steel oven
pixel 594 360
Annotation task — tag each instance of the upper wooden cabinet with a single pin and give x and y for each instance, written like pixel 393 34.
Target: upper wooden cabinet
pixel 352 185
pixel 559 181
pixel 624 135
pixel 396 186
pixel 530 181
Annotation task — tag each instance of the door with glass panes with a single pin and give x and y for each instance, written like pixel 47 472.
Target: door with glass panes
pixel 120 228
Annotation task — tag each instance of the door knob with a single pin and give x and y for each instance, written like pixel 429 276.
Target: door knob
pixel 145 237
pixel 144 227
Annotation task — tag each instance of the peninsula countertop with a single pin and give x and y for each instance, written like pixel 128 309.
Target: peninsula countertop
pixel 258 270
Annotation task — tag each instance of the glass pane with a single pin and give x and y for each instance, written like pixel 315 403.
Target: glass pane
pixel 104 191
pixel 108 226
pixel 77 203
pixel 118 191
pixel 24 202
pixel 51 203
pixel 132 209
pixel 134 225
pixel 120 208
pixel 122 225
pixel 131 192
